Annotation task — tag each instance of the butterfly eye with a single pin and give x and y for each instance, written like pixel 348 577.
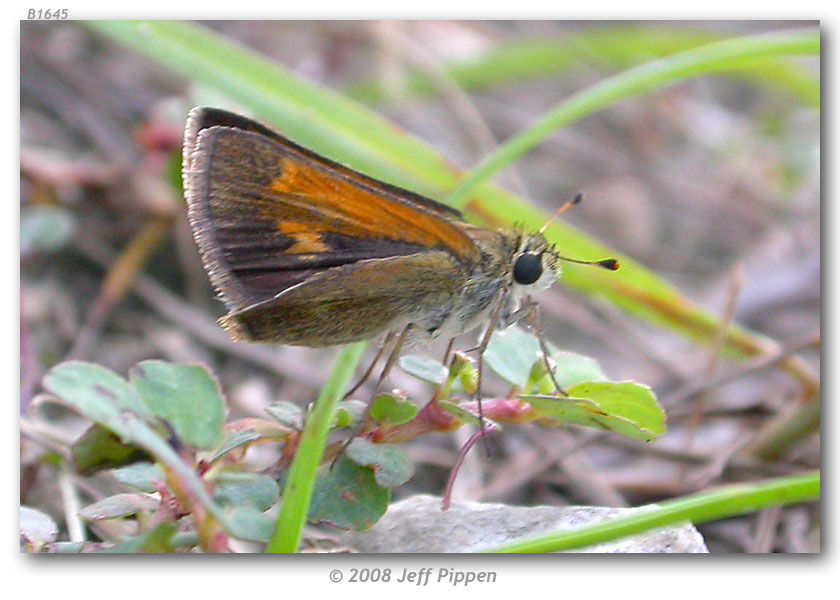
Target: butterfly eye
pixel 527 268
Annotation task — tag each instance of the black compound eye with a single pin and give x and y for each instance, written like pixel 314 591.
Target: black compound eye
pixel 527 268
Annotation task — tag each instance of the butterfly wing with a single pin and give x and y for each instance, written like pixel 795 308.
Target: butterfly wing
pixel 269 215
pixel 201 118
pixel 355 302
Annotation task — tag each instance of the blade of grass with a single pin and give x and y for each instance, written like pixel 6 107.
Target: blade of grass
pixel 644 78
pixel 725 502
pixel 298 490
pixel 610 47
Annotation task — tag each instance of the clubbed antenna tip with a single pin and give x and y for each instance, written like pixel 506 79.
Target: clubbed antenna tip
pixel 609 263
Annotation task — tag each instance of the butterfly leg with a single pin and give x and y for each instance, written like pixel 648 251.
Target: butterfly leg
pixel 366 375
pixel 365 418
pixel 533 316
pixel 482 346
pixel 392 358
pixel 448 352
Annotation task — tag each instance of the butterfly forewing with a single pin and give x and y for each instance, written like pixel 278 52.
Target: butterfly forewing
pixel 269 215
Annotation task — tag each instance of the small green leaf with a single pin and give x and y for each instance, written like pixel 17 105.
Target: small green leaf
pixel 120 505
pixel 233 441
pixel 347 496
pixel 511 354
pixel 391 465
pixel 99 448
pixel 237 489
pixel 538 379
pixel 95 392
pixel 156 540
pixel 45 229
pixel 288 414
pixel 424 369
pixel 348 414
pixel 141 476
pixel 465 373
pixel 185 396
pixel 571 368
pixel 387 408
pixel 629 400
pixel 626 408
pixel 515 355
pixel 249 523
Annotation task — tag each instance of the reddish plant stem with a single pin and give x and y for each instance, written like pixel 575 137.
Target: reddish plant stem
pixel 211 536
pixel 432 418
pixel 462 454
pixel 504 410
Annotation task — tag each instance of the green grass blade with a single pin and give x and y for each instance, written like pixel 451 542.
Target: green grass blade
pixel 611 47
pixel 652 76
pixel 726 502
pixel 298 490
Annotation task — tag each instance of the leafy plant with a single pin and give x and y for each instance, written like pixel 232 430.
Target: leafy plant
pixel 166 439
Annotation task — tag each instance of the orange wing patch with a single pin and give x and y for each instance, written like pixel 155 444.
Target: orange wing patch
pixel 347 207
pixel 307 243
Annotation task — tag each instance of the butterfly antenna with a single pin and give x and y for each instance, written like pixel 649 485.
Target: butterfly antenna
pixel 610 264
pixel 569 204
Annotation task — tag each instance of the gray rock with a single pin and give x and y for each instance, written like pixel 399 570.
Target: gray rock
pixel 417 525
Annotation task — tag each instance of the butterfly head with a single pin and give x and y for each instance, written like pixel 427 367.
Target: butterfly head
pixel 535 265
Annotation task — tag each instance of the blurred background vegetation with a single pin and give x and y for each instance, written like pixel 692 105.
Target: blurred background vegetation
pixel 713 185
